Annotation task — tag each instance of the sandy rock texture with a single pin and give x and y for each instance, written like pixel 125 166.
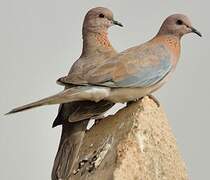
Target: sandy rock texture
pixel 137 143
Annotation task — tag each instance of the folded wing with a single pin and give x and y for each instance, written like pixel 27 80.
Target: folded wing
pixel 136 67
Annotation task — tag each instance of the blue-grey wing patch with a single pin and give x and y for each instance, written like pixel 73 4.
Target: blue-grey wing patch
pixel 147 75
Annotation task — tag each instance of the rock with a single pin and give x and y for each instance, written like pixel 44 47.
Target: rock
pixel 137 143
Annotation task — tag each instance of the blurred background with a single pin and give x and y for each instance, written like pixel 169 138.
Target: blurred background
pixel 39 41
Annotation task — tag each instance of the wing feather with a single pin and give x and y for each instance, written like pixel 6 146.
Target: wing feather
pixel 136 68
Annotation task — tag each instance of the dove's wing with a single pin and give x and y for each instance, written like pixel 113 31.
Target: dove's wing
pixel 141 66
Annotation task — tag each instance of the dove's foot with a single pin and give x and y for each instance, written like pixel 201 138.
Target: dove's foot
pixel 154 99
pixel 131 102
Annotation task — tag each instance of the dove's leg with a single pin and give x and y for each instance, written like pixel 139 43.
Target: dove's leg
pixel 131 102
pixel 150 96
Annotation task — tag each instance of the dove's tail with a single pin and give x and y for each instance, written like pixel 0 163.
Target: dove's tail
pixel 70 143
pixel 78 93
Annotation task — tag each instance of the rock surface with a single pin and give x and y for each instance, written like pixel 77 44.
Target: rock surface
pixel 135 144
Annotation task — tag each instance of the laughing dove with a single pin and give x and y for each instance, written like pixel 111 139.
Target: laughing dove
pixel 96 50
pixel 132 74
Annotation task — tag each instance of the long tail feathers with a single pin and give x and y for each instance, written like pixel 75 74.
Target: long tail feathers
pixel 67 155
pixel 65 96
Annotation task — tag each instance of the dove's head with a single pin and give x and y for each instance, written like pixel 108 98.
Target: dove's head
pixel 178 25
pixel 98 20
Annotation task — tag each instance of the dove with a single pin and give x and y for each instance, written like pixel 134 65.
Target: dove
pixel 96 49
pixel 131 74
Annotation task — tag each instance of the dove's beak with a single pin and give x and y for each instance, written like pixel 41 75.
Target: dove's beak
pixel 117 23
pixel 196 31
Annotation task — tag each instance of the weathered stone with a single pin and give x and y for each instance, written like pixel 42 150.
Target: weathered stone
pixel 135 144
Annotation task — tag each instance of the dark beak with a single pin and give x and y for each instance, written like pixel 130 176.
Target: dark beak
pixel 196 31
pixel 117 23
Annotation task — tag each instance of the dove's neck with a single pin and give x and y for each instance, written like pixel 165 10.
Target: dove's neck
pixel 96 42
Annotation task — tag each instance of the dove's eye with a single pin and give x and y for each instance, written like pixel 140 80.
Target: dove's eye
pixel 179 22
pixel 101 15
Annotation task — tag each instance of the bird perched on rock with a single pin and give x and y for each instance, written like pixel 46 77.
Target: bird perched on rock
pixel 132 74
pixel 96 49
